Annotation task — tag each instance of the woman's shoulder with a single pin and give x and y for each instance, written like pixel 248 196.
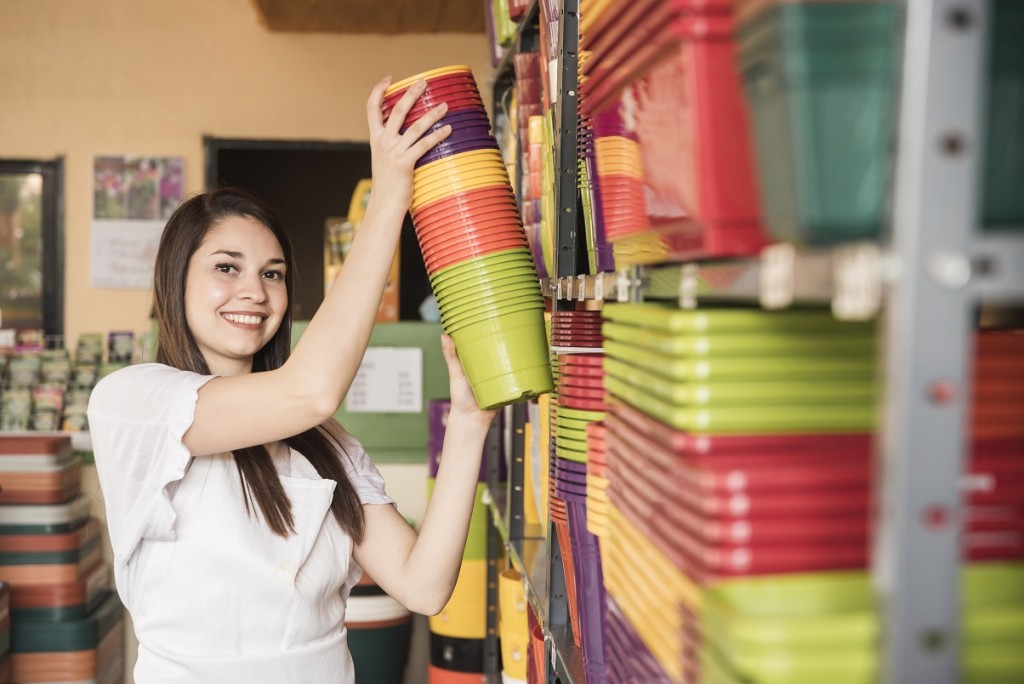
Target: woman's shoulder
pixel 140 385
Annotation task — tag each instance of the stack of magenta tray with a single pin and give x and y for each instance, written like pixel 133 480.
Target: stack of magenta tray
pixel 578 404
pixel 65 623
pixel 739 448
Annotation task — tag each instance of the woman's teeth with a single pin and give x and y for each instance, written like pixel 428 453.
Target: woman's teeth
pixel 244 320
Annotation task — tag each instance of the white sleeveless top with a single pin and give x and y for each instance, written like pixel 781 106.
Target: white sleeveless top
pixel 214 595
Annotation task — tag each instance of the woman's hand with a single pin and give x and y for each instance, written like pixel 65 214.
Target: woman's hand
pixel 463 401
pixel 394 153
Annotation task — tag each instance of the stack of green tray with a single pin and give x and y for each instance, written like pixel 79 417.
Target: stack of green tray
pixel 817 627
pixel 728 371
pixel 822 81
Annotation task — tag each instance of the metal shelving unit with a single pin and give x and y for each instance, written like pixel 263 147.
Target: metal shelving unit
pixel 926 281
pixel 536 558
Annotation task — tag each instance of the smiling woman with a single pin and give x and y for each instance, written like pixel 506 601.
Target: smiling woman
pixel 240 512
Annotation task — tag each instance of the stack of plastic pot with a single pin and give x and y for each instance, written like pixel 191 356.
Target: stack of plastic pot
pixel 822 80
pixel 668 70
pixel 474 246
pixel 600 254
pixel 576 338
pixel 513 627
pixel 66 625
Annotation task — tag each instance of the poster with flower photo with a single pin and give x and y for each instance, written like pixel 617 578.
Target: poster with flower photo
pixel 132 200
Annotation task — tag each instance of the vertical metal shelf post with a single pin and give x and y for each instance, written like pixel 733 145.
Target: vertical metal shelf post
pixel 567 259
pixel 520 413
pixel 929 316
pixel 492 648
pixel 565 125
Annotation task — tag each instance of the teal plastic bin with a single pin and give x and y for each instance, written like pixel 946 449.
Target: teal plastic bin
pixel 1003 171
pixel 822 82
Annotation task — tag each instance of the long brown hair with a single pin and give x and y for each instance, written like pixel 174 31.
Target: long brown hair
pixel 176 347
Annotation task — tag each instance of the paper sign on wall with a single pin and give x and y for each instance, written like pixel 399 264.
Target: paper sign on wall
pixel 389 380
pixel 132 200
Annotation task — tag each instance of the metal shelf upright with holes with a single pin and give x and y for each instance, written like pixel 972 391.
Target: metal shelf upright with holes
pixel 944 266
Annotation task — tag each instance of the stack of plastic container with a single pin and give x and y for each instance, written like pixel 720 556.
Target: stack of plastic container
pixel 529 112
pixel 668 70
pixel 738 444
pixel 600 254
pixel 65 623
pixel 536 666
pixel 576 337
pixel 822 80
pixel 474 246
pixel 457 633
pixel 513 627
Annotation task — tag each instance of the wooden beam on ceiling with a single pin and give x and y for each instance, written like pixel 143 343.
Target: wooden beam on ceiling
pixel 373 16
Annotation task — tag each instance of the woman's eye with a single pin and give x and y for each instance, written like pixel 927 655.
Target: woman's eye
pixel 273 275
pixel 224 268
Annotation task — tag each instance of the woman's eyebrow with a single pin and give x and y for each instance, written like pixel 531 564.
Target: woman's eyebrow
pixel 233 255
pixel 238 255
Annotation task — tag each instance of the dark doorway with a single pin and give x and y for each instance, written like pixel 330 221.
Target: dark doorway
pixel 307 182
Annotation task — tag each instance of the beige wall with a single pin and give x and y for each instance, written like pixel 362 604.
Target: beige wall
pixel 151 77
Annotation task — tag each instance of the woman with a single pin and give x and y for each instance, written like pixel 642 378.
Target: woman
pixel 239 511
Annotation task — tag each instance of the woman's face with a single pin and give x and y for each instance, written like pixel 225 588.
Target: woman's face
pixel 235 293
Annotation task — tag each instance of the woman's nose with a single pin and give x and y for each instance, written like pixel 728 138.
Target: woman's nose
pixel 253 287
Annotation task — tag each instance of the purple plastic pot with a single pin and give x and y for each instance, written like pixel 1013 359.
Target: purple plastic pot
pixel 591 597
pixel 442 151
pixel 459 118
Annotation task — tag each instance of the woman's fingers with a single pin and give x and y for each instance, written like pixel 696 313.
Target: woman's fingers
pixel 374 105
pixel 423 145
pixel 416 130
pixel 404 104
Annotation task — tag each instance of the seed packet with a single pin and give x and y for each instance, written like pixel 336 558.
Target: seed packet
pixel 48 398
pixel 45 421
pixel 85 375
pixel 89 349
pixel 15 410
pixel 120 345
pixel 56 371
pixel 23 371
pixel 30 341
